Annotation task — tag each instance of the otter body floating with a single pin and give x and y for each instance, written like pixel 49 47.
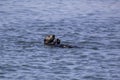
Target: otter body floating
pixel 50 40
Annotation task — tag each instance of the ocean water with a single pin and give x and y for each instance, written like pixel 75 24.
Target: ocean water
pixel 93 25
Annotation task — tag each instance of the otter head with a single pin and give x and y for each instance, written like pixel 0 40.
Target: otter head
pixel 49 39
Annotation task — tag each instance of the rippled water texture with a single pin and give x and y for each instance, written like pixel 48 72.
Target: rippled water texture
pixel 93 25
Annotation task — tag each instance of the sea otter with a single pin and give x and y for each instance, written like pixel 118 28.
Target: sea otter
pixel 50 40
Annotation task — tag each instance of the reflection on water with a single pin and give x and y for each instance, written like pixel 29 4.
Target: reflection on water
pixel 92 25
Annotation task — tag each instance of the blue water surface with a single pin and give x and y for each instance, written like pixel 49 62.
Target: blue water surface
pixel 92 25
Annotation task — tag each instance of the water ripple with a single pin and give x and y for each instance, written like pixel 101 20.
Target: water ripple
pixel 93 26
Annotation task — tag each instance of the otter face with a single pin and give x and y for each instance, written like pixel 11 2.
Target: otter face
pixel 49 39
